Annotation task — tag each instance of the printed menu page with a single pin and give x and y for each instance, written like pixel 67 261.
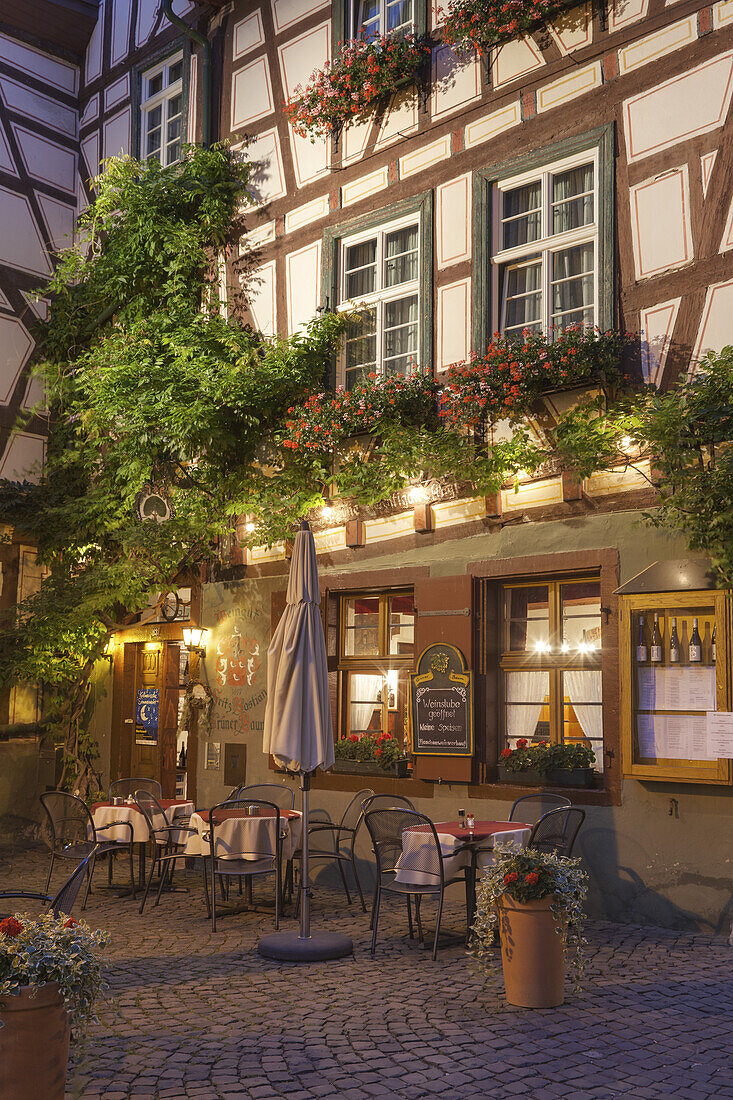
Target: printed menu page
pixel 673 737
pixel 683 688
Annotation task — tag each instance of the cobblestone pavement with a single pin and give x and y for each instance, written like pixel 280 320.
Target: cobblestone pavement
pixel 198 1014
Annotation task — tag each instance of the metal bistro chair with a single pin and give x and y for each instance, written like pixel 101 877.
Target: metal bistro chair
pixel 247 863
pixel 63 901
pixel 282 796
pixel 386 828
pixel 557 830
pixel 342 835
pixel 531 807
pixel 126 788
pixel 166 837
pixel 73 835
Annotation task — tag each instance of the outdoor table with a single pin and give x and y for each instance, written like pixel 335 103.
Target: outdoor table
pixel 241 836
pixel 106 813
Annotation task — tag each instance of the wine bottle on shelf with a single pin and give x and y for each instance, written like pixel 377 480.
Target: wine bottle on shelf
pixel 712 647
pixel 642 653
pixel 656 646
pixel 695 644
pixel 674 644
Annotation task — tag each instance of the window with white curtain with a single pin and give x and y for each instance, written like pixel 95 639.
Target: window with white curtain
pixel 545 247
pixel 374 18
pixel 380 277
pixel 161 109
pixel 551 663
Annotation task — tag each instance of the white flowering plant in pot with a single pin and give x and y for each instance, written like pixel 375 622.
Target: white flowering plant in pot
pixel 526 875
pixel 37 950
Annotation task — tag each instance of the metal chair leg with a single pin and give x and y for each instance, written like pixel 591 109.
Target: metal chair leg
pixel 409 917
pixel 437 925
pixel 375 918
pixel 358 883
pixel 374 906
pixel 278 887
pixel 420 936
pixel 50 871
pixel 90 872
pixel 206 891
pixel 132 870
pixel 213 896
pixel 343 879
pixel 110 857
pixel 147 886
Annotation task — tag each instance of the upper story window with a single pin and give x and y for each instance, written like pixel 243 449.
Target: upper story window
pixel 551 663
pixel 161 107
pixel 545 259
pixel 380 274
pixel 374 18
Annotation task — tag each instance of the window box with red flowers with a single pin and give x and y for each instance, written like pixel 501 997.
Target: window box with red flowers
pixel 365 754
pixel 363 74
pixel 544 764
pixel 481 24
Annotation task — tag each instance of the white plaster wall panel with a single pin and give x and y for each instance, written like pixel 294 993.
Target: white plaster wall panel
pixel 660 223
pixel 90 155
pixel 454 323
pixel 535 494
pixel 400 118
pixel 515 58
pixel 624 12
pixel 39 306
pixel 121 14
pixel 707 162
pixel 90 112
pixel 248 34
pixel 726 242
pixel 146 13
pixel 459 511
pixel 24 456
pixel 657 324
pixel 7 164
pixel 690 103
pixel 286 13
pixel 453 221
pixel 569 86
pixel 251 93
pixel 422 158
pixel 59 220
pixel 267 181
pixel 255 238
pixel 117 92
pixel 301 55
pixel 16 344
pixel 82 202
pixel 391 527
pixel 17 97
pixel 715 331
pixel 93 64
pixel 310 158
pixel 456 80
pixel 365 186
pixel 722 14
pixel 51 70
pixel 573 30
pixel 45 160
pixel 193 85
pixel 35 395
pixel 261 286
pixel 4 302
pixel 354 140
pixel 307 214
pixel 302 284
pixel 117 134
pixel 490 126
pixel 668 39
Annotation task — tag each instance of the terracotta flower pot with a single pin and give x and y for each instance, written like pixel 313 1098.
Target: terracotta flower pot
pixel 34 1045
pixel 532 953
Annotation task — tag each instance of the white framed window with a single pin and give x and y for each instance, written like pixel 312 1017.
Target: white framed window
pixel 380 275
pixel 545 259
pixel 161 111
pixel 374 18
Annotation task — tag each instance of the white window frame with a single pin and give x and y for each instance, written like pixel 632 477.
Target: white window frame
pixel 548 243
pixel 162 99
pixel 382 295
pixel 356 24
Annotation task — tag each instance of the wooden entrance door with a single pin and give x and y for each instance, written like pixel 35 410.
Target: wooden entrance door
pixel 144 727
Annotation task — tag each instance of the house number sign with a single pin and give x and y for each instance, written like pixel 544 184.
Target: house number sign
pixel 441 703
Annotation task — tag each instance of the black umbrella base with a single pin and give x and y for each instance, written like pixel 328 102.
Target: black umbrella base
pixel 290 947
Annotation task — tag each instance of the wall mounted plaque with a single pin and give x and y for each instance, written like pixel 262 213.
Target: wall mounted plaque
pixel 441 703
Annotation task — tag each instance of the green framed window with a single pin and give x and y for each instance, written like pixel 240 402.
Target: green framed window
pixel 160 90
pixel 373 18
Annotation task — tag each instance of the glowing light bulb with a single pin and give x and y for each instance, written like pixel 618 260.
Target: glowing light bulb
pixel 249 527
pixel 326 511
pixel 626 444
pixel 417 495
pixel 565 648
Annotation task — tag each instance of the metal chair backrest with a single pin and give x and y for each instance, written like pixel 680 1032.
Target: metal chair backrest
pixel 282 796
pixel 125 788
pixel 389 832
pixel 387 802
pixel 69 818
pixel 260 844
pixel 353 815
pixel 65 898
pixel 556 831
pixel 531 807
pixel 154 814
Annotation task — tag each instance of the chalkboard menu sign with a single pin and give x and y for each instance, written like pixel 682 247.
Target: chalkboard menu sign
pixel 441 703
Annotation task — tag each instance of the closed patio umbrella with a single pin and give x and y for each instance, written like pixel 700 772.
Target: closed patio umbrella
pixel 298 730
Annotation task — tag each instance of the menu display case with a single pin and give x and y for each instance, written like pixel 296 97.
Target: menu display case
pixel 674 670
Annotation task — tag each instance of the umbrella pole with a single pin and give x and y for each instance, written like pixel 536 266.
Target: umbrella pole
pixel 305 901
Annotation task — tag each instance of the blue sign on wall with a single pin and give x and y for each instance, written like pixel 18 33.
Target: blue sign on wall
pixel 146 715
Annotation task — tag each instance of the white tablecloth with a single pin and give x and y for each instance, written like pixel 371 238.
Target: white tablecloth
pixel 250 838
pixel 418 847
pixel 104 815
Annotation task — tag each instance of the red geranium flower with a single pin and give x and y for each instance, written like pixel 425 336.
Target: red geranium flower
pixel 532 878
pixel 511 877
pixel 10 927
pixel 522 743
pixel 506 752
pixel 70 923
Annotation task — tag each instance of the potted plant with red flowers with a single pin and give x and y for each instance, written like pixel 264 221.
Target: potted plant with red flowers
pixel 534 900
pixel 544 764
pixel 50 979
pixel 370 754
pixel 481 24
